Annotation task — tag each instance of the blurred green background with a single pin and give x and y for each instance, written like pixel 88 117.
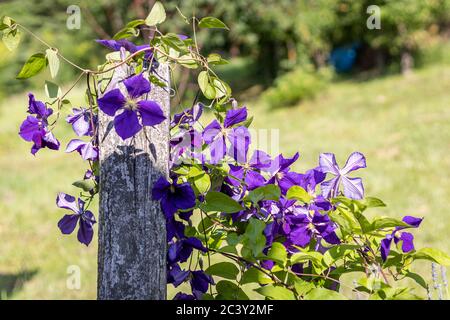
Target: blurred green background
pixel 312 69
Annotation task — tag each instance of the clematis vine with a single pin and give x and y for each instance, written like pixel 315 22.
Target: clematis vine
pixel 131 112
pixel 290 234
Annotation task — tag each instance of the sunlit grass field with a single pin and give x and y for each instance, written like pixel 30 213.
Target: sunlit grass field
pixel 401 124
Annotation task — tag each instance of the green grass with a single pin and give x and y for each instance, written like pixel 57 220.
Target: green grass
pixel 400 124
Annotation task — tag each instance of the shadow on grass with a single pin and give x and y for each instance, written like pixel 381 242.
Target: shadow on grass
pixel 13 282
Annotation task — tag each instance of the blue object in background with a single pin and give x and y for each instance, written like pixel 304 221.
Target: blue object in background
pixel 343 58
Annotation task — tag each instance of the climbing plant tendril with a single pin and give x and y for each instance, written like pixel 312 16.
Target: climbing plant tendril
pixel 238 219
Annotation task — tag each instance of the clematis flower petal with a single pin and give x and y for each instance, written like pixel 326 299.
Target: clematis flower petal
pixel 240 141
pixel 212 131
pixel 75 145
pixel 38 108
pixel 407 242
pixel 235 116
pixel 137 86
pixel 385 248
pixel 68 223
pixel 112 101
pixel 254 179
pixel 195 243
pixel 200 281
pixel 329 187
pixel 127 124
pixel 353 187
pixel 327 162
pixel 80 121
pixel 184 197
pixel 160 188
pixel 300 236
pixel 151 113
pixel 218 149
pixel 50 141
pixel 89 152
pixel 66 201
pixel 115 45
pixel 176 276
pixel 260 160
pixel 28 128
pixel 288 180
pixel 413 221
pixel 354 162
pixel 86 230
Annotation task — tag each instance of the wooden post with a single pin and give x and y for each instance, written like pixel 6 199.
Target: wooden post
pixel 132 227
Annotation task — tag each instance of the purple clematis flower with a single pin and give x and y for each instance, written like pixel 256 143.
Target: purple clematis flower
pixel 188 116
pixel 353 187
pixel 200 282
pixel 281 174
pixel 68 223
pixel 86 149
pixel 405 237
pixel 180 250
pixel 81 121
pixel 35 128
pixel 301 228
pixel 239 137
pixel 176 276
pixel 183 296
pixel 135 112
pixel 173 196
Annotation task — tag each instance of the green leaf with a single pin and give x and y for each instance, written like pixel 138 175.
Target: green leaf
pixel 173 41
pixel 216 59
pixel 52 90
pixel 157 15
pixel 188 61
pixel 386 222
pixel 126 32
pixel 85 185
pixel 228 290
pixel 226 270
pixel 267 192
pixel 211 22
pixel 315 257
pixel 338 252
pixel 324 294
pixel 53 61
pixel 11 38
pixel 202 183
pixel 418 278
pixel 371 202
pixel 222 88
pixel 220 202
pixel 33 66
pixel 277 253
pixel 298 193
pixel 254 275
pixel 273 292
pixel 254 239
pixel 433 255
pixel 205 85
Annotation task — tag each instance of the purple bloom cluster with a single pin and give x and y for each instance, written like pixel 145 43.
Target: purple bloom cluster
pixel 35 127
pixel 226 143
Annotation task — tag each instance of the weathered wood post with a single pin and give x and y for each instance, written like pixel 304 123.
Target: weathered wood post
pixel 132 230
